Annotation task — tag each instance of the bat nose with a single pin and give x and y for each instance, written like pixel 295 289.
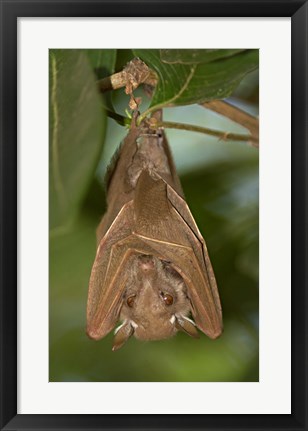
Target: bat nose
pixel 149 299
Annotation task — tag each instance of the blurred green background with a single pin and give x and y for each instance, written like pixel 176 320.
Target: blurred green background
pixel 220 182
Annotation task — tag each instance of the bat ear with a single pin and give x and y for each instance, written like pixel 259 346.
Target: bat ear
pixel 186 325
pixel 122 335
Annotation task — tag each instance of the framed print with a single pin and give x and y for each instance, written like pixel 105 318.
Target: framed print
pixel 146 240
pixel 154 302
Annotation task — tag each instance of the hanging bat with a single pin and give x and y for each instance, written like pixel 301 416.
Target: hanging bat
pixel 152 270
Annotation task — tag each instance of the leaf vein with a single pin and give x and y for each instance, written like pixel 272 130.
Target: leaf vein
pixel 55 132
pixel 176 96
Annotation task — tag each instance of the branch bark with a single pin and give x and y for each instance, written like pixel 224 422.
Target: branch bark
pixel 136 72
pixel 224 136
pixel 238 116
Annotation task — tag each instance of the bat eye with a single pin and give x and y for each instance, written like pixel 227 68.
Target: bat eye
pixel 130 301
pixel 168 299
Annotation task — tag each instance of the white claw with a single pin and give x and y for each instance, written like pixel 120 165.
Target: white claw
pixel 180 317
pixel 119 327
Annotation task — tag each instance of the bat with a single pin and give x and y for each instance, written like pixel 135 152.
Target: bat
pixel 152 272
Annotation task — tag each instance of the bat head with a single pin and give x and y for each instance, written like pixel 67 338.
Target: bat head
pixel 155 303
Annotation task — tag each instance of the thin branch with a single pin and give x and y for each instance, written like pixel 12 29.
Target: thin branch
pixel 123 121
pixel 238 116
pixel 225 136
pixel 136 72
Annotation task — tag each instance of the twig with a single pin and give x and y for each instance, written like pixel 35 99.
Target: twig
pixel 238 116
pixel 225 136
pixel 136 72
pixel 123 121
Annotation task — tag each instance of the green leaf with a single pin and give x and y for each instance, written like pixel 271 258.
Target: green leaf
pixel 102 61
pixel 181 84
pixel 76 132
pixel 193 56
pixel 124 56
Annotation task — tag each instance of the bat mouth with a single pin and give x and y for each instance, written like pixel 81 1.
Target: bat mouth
pixel 161 330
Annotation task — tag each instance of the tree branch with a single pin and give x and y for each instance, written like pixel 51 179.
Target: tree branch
pixel 123 121
pixel 136 72
pixel 238 116
pixel 225 136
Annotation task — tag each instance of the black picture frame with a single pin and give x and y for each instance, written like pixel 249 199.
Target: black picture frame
pixel 10 11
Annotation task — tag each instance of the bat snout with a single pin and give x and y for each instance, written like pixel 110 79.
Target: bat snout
pixel 155 330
